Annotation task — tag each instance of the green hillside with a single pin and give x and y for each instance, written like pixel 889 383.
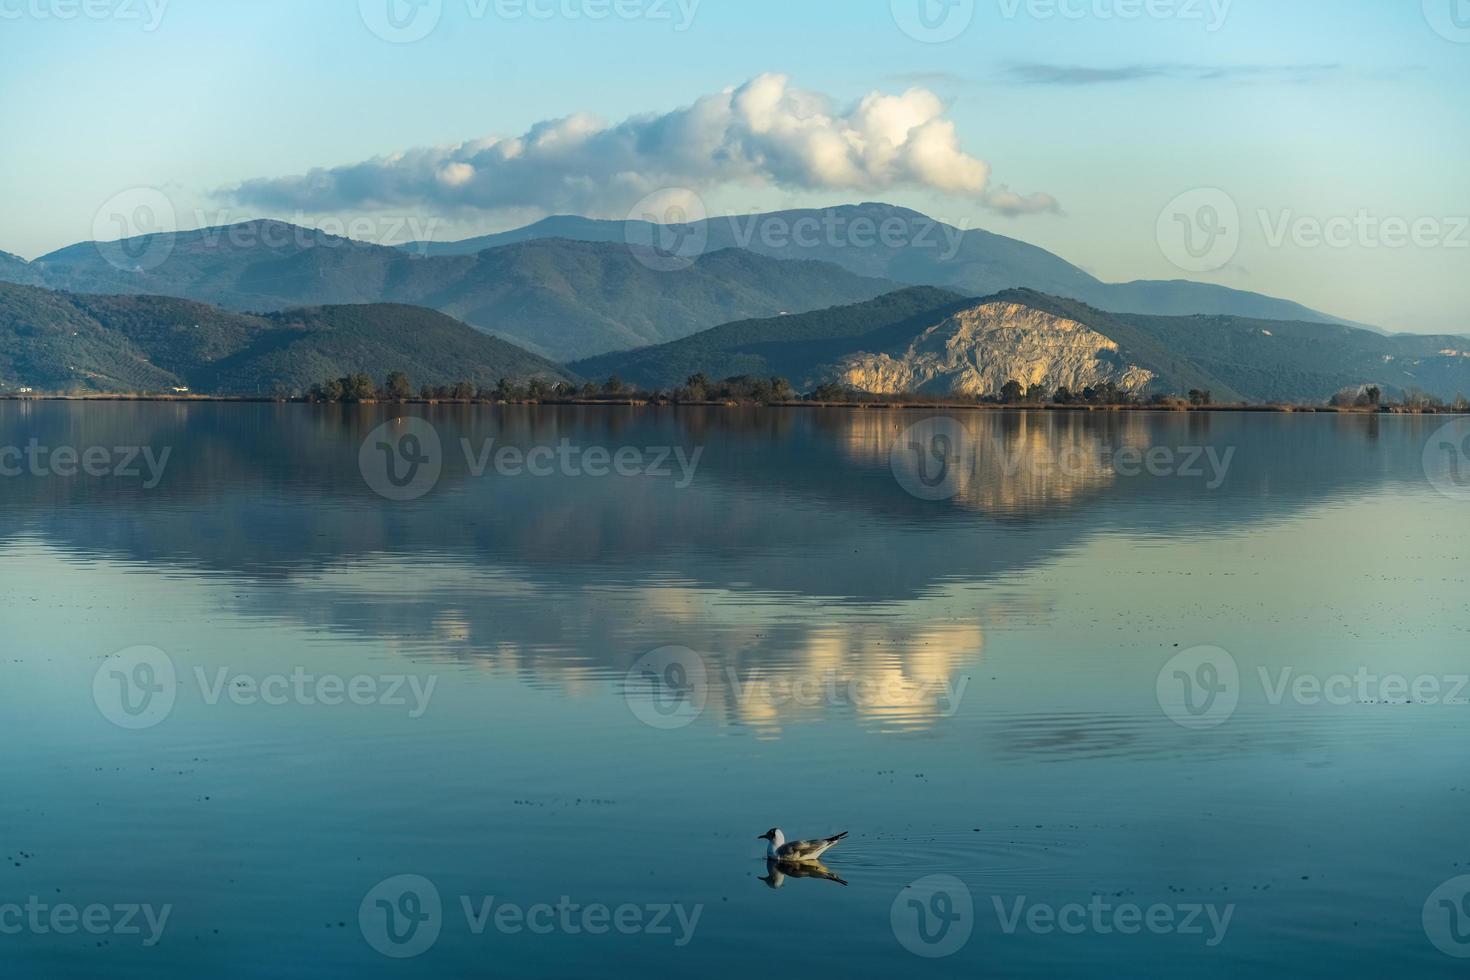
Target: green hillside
pixel 1275 360
pixel 794 347
pixel 53 341
pixel 1237 359
pixel 13 268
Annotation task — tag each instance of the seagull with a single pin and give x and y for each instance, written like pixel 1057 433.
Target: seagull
pixel 798 851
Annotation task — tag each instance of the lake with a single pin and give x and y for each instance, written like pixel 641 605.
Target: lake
pixel 298 691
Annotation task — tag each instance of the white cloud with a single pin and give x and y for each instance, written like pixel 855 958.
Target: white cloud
pixel 763 132
pixel 1008 202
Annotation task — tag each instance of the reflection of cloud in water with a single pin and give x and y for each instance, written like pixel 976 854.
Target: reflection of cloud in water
pixel 883 674
pixel 773 660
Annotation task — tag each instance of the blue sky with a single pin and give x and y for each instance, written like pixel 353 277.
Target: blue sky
pixel 1345 114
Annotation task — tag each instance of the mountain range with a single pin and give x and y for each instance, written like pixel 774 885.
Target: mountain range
pixel 873 297
pixel 571 287
pixel 564 299
pixel 918 339
pixel 898 244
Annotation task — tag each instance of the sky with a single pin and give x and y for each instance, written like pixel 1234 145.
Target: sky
pixel 1315 150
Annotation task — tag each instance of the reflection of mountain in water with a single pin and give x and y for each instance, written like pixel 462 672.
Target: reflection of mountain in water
pixel 569 580
pixel 798 502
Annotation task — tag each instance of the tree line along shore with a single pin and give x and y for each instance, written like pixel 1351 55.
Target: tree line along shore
pixel 699 390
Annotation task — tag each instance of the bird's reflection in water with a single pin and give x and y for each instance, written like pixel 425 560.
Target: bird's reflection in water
pixel 778 871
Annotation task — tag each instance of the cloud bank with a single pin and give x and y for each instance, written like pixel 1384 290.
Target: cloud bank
pixel 763 132
pixel 1034 73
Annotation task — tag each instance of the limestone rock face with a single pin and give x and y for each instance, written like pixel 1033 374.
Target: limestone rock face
pixel 976 351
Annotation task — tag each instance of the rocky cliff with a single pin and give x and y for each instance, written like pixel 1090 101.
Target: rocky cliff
pixel 976 351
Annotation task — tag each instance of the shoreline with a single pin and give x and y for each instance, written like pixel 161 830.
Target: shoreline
pixel 1278 409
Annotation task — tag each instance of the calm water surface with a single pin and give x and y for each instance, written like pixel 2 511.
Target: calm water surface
pixel 998 692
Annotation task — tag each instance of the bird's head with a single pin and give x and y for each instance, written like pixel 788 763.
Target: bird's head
pixel 770 834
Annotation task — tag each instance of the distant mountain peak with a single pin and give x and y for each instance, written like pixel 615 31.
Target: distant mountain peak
pixel 928 253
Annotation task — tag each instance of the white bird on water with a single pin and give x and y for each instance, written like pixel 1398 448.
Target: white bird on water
pixel 797 851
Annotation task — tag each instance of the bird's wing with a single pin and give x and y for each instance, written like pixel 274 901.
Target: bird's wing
pixel 807 850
